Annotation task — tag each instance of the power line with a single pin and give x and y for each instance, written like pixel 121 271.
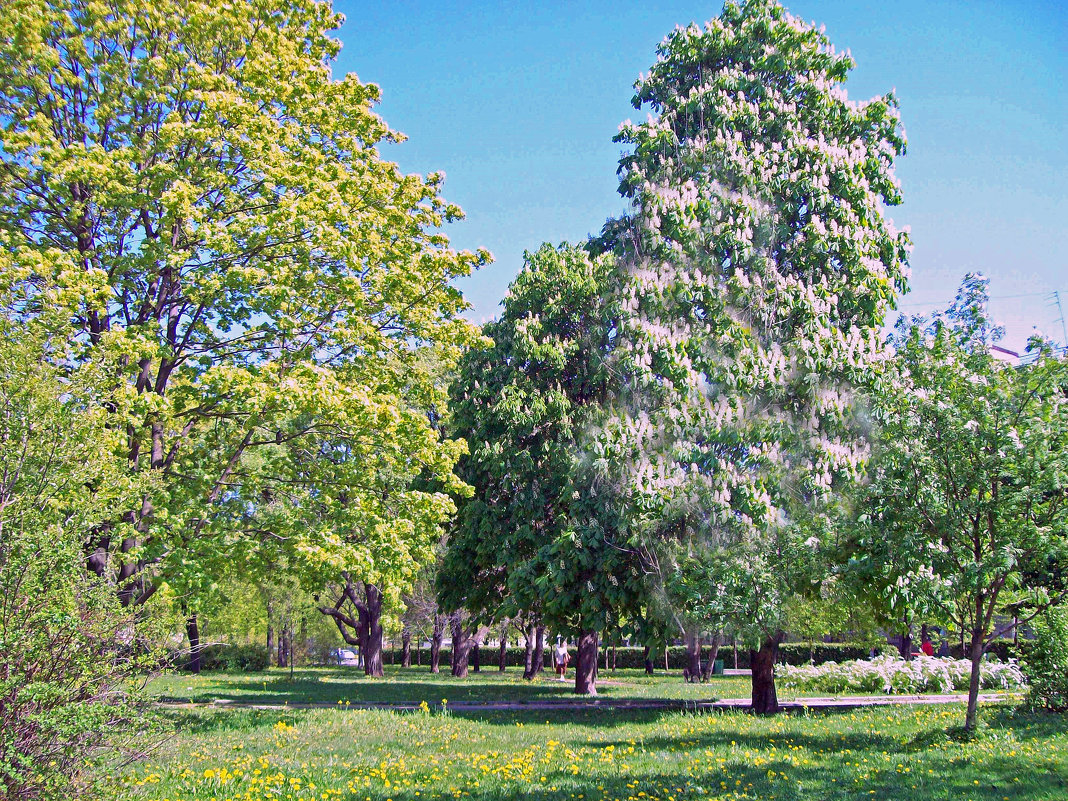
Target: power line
pixel 991 297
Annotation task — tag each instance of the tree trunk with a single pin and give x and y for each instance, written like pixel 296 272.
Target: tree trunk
pixel 613 659
pixel 648 661
pixel 713 654
pixel 762 667
pixel 734 648
pixel 693 654
pixel 462 644
pixel 270 629
pixel 372 658
pixel 502 655
pixel 586 664
pixel 976 655
pixel 667 664
pixel 283 648
pixel 906 642
pixel 539 652
pixel 192 629
pixel 406 648
pixel 476 658
pixel 528 657
pixel 435 643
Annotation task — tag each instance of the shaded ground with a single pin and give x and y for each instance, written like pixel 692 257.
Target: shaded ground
pixel 410 686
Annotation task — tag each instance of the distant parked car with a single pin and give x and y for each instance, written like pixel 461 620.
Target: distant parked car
pixel 344 656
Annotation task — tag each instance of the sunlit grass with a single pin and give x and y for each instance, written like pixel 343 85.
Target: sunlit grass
pixel 324 754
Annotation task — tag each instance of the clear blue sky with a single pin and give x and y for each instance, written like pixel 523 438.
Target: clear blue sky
pixel 518 103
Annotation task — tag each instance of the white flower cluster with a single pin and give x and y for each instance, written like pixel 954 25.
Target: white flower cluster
pixel 892 675
pixel 765 264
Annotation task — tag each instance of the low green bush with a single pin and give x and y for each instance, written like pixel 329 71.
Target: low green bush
pixel 1045 660
pixel 233 658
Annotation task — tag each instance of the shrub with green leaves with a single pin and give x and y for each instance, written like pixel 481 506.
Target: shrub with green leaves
pixel 67 647
pixel 1045 660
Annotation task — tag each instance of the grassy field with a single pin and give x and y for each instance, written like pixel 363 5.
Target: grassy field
pixel 325 754
pixel 412 685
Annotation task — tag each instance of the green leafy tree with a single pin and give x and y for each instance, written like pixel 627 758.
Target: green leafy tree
pixel 968 505
pixel 269 281
pixel 525 404
pixel 759 268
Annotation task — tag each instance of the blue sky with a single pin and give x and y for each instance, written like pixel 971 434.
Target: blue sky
pixel 518 104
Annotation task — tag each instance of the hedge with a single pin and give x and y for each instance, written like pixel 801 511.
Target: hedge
pixel 233 658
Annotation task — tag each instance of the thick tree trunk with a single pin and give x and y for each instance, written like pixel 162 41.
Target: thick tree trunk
pixel 762 662
pixel 192 629
pixel 463 642
pixel 975 653
pixel 372 618
pixel 539 652
pixel 586 664
pixel 528 657
pixel 693 655
pixel 406 648
pixel 435 643
pixel 648 661
pixel 502 655
pixel 713 654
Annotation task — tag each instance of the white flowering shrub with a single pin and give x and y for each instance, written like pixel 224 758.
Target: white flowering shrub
pixel 893 675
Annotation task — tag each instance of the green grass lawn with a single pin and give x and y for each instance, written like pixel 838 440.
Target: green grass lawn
pixel 595 754
pixel 412 685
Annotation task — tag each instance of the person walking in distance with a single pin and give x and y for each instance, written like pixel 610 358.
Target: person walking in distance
pixel 560 659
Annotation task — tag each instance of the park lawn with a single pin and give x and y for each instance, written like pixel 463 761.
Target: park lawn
pixel 596 754
pixel 338 685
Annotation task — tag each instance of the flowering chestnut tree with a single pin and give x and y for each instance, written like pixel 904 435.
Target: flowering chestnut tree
pixel 761 265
